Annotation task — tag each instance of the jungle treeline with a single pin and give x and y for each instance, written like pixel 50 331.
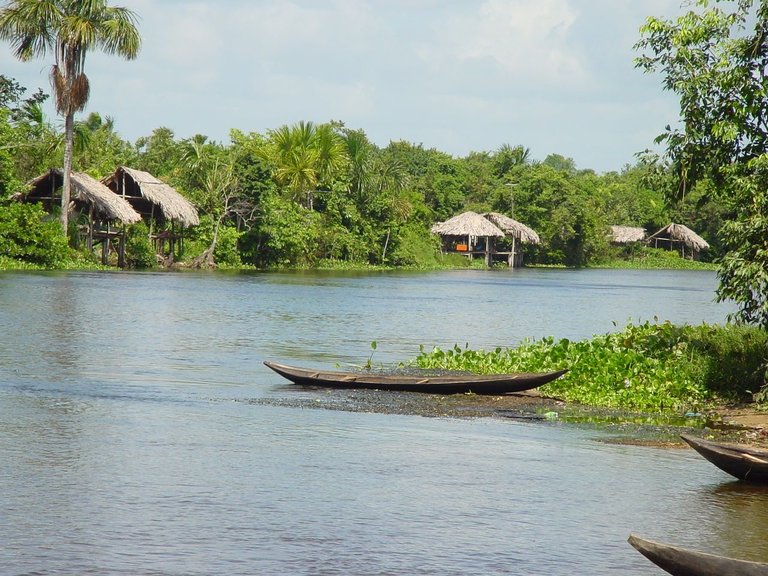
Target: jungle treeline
pixel 311 194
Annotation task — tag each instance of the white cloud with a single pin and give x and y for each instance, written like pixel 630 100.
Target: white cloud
pixel 458 75
pixel 525 40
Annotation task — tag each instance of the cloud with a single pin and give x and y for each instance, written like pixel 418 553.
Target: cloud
pixel 518 39
pixel 458 75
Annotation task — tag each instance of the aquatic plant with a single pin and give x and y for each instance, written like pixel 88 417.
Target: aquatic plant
pixel 651 366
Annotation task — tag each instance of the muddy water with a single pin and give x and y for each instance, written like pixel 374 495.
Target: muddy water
pixel 140 433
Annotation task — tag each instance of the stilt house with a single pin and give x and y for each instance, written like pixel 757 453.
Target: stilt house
pixel 473 234
pixel 518 234
pixel 166 211
pixel 679 237
pixel 626 234
pixel 106 214
pixel 469 234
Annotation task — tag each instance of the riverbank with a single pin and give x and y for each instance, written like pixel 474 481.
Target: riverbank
pixel 744 423
pixel 658 368
pixel 643 259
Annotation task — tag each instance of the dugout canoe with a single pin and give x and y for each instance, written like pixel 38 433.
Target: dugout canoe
pixel 743 462
pixel 495 384
pixel 683 562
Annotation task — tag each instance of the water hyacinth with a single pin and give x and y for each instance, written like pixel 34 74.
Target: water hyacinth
pixel 650 367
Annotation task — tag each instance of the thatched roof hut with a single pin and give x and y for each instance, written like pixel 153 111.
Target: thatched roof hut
pixel 87 192
pixel 626 234
pixel 461 233
pixel 513 228
pixel 146 193
pixel 469 224
pixel 677 235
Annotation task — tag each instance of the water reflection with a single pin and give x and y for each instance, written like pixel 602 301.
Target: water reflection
pixel 62 345
pixel 126 446
pixel 737 513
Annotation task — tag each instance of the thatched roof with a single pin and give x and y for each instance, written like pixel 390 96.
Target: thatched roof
pixel 144 191
pixel 513 228
pixel 626 234
pixel 85 190
pixel 467 224
pixel 679 233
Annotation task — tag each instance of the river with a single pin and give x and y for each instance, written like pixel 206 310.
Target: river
pixel 141 433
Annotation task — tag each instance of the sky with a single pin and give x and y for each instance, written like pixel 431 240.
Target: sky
pixel 460 76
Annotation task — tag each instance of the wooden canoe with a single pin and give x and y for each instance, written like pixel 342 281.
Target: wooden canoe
pixel 743 462
pixel 452 384
pixel 683 562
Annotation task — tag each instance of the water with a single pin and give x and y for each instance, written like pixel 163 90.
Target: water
pixel 134 438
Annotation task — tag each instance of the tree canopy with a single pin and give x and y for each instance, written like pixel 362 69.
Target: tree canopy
pixel 315 194
pixel 715 57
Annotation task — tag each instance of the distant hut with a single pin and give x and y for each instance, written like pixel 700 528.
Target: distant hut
pixel 626 234
pixel 676 236
pixel 517 231
pixel 156 201
pixel 468 233
pixel 107 214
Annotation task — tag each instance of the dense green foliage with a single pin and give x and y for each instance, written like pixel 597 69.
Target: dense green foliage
pixel 647 367
pixel 306 194
pixel 379 208
pixel 139 252
pixel 641 257
pixel 27 234
pixel 714 58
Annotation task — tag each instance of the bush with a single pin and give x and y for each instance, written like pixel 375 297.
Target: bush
pixel 643 257
pixel 139 252
pixel 226 253
pixel 289 234
pixel 415 246
pixel 28 235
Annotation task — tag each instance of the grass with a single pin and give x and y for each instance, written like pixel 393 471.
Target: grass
pixel 653 259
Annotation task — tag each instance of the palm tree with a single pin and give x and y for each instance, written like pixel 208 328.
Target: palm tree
pixel 305 156
pixel 68 28
pixel 507 157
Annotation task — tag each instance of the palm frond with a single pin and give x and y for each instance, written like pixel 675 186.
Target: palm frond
pixel 119 34
pixel 29 25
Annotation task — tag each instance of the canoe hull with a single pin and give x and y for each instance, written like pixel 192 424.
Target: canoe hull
pixel 743 462
pixel 496 384
pixel 682 562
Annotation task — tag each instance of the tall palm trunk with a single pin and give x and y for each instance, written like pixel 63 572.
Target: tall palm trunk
pixel 69 129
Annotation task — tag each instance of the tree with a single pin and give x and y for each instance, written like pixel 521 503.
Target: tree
pixel 715 59
pixel 305 157
pixel 630 200
pixel 507 157
pixel 436 177
pixel 220 186
pixel 717 68
pixel 560 163
pixel 70 29
pixel 97 148
pixel 159 153
pixel 743 269
pixel 30 142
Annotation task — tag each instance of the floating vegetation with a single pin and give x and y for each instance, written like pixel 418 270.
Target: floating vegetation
pixel 651 367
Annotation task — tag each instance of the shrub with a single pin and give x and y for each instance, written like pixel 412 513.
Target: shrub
pixel 27 234
pixel 414 247
pixel 139 252
pixel 226 253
